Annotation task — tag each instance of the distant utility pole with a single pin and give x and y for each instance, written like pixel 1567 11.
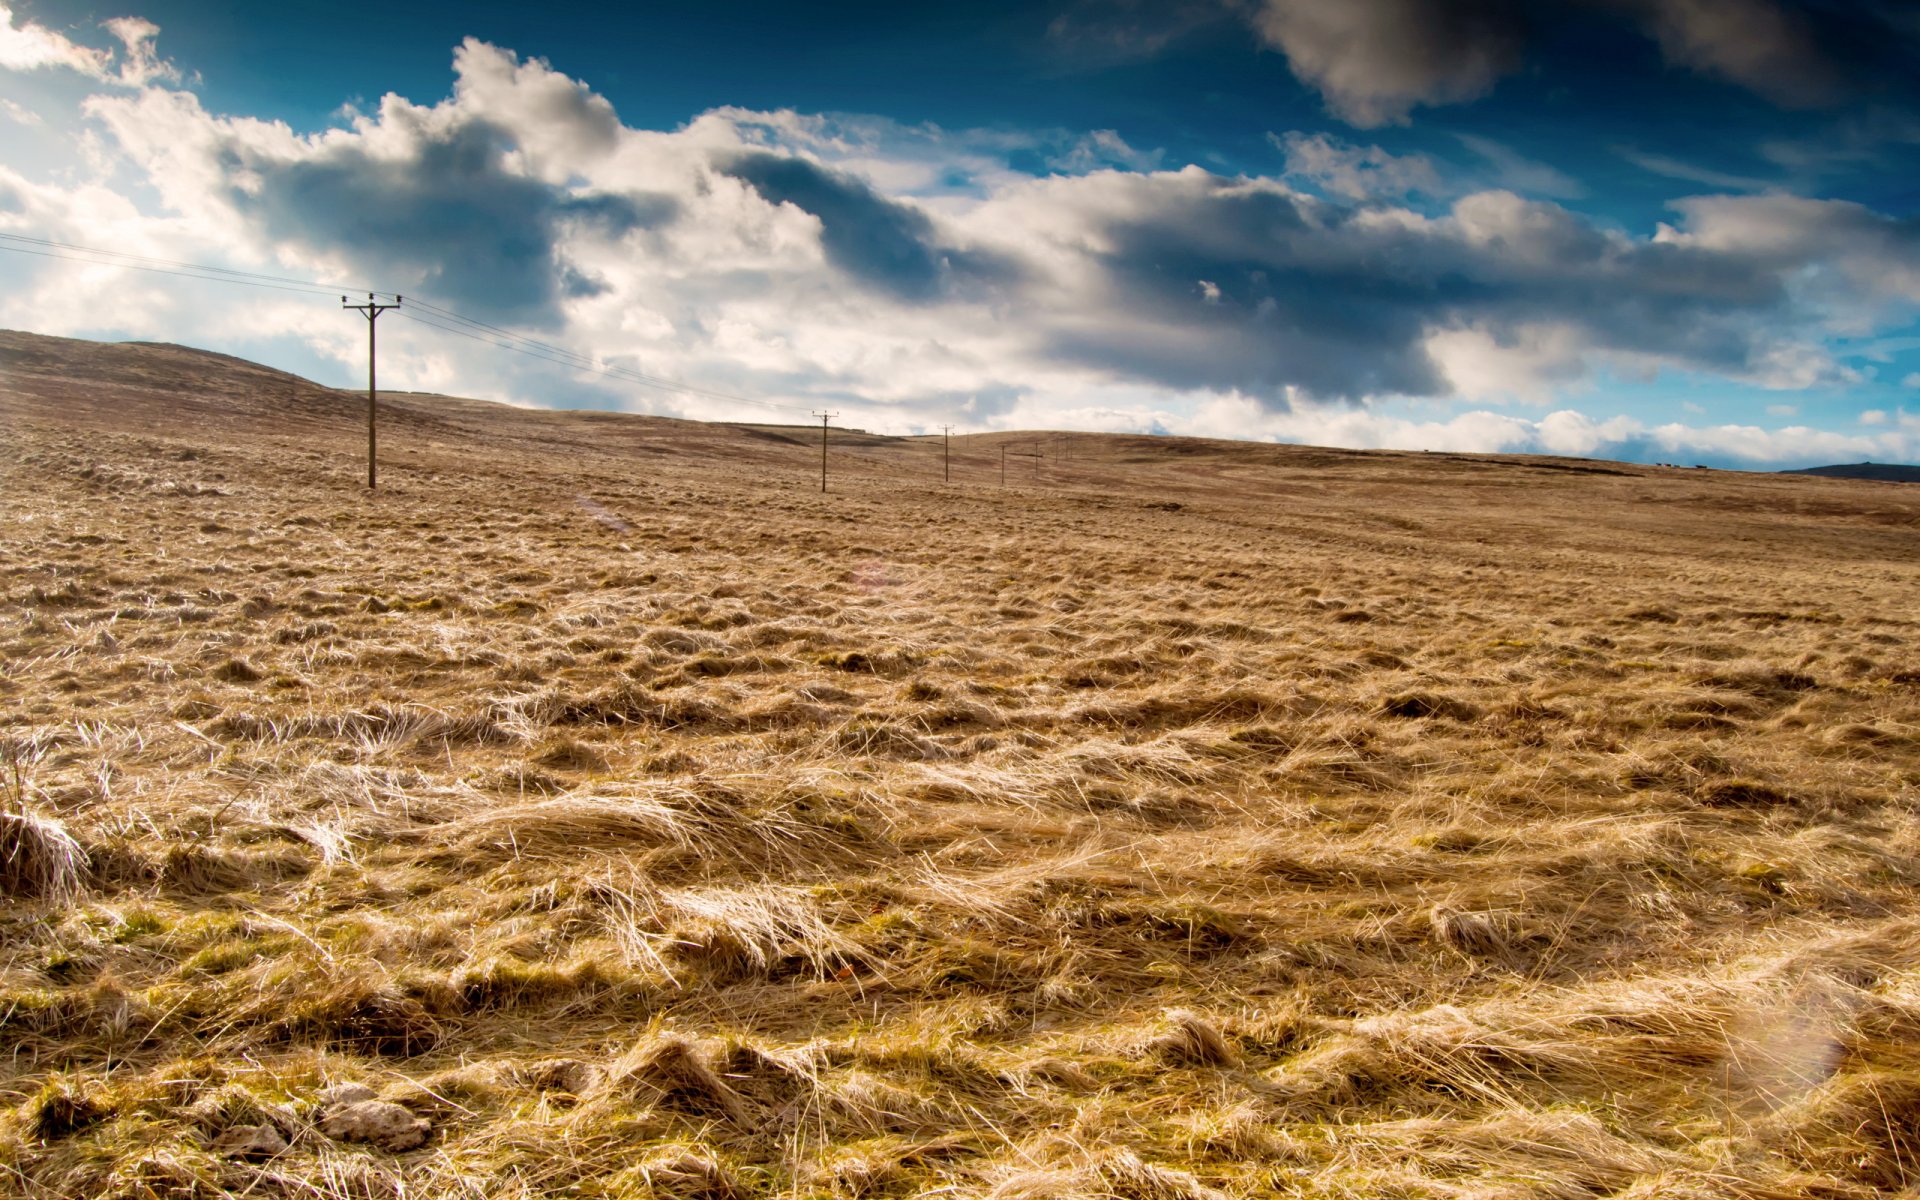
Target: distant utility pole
pixel 372 312
pixel 946 451
pixel 823 446
pixel 1034 454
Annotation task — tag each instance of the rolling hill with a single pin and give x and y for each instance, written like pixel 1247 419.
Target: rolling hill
pixel 600 810
pixel 1881 472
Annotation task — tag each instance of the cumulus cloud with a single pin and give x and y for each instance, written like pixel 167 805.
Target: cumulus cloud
pixel 1100 149
pixel 818 260
pixel 434 199
pixel 1759 44
pixel 884 243
pixel 140 64
pixel 28 46
pixel 1355 172
pixel 1499 292
pixel 1376 60
pixel 1837 257
pixel 1564 431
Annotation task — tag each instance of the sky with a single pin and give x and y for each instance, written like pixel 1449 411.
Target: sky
pixel 1658 230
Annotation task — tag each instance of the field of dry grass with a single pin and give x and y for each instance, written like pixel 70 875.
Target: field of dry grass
pixel 600 810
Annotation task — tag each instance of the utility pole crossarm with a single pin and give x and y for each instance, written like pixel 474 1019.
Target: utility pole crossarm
pixel 371 310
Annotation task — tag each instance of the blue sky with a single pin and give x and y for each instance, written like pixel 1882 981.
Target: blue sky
pixel 1669 230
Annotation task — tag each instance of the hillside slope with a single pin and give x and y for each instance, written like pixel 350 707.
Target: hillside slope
pixel 1883 472
pixel 628 818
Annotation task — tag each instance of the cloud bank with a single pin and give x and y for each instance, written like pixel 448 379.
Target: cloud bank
pixel 818 260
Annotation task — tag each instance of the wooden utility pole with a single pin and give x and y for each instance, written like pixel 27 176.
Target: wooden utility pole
pixel 1034 454
pixel 946 451
pixel 823 446
pixel 372 312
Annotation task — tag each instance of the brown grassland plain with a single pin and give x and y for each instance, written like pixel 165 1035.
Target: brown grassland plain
pixel 626 818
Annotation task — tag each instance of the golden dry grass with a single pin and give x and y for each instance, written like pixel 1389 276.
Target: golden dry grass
pixel 1208 820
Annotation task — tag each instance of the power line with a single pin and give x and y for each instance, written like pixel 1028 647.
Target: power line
pixel 517 342
pixel 587 363
pixel 174 262
pixel 301 289
pixel 461 325
pixel 580 362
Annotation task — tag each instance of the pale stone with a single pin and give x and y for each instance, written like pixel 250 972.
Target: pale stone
pixel 250 1141
pixel 388 1126
pixel 346 1093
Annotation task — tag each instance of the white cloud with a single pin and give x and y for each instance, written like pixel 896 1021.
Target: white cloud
pixel 1911 381
pixel 1566 431
pixel 1783 410
pixel 19 114
pixel 1355 172
pixel 1523 361
pixel 1873 416
pixel 28 46
pixel 1846 260
pixel 140 64
pixel 1100 149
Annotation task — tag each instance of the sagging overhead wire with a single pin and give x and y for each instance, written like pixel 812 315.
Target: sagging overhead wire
pixel 579 362
pixel 481 331
pixel 158 266
pixel 448 321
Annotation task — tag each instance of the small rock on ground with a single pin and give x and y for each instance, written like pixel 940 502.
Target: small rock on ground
pixel 564 1075
pixel 250 1141
pixel 379 1122
pixel 345 1093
